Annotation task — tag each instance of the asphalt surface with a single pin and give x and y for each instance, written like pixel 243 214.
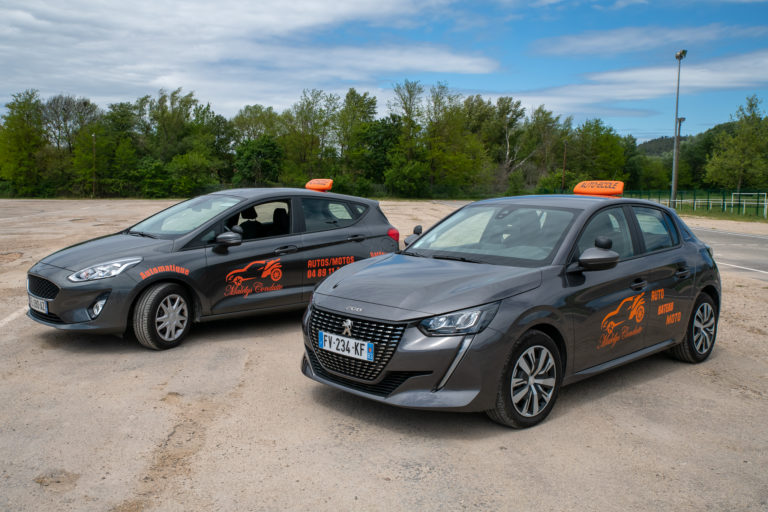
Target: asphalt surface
pixel 740 252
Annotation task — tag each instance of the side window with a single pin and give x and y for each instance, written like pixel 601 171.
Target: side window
pixel 263 220
pixel 611 223
pixel 657 228
pixel 324 214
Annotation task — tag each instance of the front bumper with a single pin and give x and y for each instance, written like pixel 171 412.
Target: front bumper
pixel 68 306
pixel 452 373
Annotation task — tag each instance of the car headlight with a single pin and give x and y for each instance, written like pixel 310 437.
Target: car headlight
pixel 104 270
pixel 467 321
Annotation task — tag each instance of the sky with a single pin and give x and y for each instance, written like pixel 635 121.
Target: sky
pixel 607 59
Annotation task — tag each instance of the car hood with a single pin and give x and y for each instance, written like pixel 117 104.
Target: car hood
pixel 104 249
pixel 427 285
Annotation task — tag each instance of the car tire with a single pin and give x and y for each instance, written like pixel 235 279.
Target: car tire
pixel 162 316
pixel 529 382
pixel 701 333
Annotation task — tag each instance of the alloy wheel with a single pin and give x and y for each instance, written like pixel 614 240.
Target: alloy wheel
pixel 704 328
pixel 533 381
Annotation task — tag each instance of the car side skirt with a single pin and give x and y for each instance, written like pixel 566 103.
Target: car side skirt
pixel 615 363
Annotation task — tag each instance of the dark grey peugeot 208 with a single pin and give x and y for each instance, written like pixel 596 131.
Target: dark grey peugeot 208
pixel 506 300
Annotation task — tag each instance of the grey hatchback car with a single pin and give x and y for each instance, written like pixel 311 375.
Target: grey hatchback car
pixel 506 300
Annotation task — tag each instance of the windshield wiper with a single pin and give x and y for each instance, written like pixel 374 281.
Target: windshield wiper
pixel 141 233
pixel 454 258
pixel 410 253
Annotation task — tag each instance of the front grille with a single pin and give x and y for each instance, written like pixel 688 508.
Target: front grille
pixel 46 317
pixel 385 338
pixel 383 388
pixel 42 288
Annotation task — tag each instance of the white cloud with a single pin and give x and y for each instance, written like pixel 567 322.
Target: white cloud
pixel 230 52
pixel 605 90
pixel 635 39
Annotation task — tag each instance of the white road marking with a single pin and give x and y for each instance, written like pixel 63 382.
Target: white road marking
pixel 761 237
pixel 13 316
pixel 743 268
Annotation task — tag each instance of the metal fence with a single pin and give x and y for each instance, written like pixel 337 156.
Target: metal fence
pixel 748 204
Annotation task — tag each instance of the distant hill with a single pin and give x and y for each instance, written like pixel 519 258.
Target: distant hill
pixel 659 146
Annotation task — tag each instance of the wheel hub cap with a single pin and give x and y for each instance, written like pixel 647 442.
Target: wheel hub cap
pixel 172 317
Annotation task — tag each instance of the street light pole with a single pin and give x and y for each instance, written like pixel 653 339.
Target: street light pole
pixel 93 184
pixel 673 196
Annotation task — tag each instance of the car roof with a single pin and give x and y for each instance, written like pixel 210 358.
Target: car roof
pixel 574 201
pixel 258 193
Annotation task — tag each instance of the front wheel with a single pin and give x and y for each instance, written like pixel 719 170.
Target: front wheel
pixel 162 316
pixel 529 383
pixel 702 331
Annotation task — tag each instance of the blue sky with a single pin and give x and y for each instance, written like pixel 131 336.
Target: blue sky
pixel 612 59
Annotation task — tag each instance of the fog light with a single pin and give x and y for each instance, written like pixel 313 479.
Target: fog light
pixel 96 308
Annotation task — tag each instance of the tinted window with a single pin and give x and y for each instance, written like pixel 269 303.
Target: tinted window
pixel 656 228
pixel 611 223
pixel 262 220
pixel 324 214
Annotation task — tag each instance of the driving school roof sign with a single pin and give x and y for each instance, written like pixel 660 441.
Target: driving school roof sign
pixel 599 188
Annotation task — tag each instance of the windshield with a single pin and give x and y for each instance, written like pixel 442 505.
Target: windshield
pixel 500 234
pixel 184 217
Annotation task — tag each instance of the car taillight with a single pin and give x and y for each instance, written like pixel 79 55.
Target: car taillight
pixel 394 234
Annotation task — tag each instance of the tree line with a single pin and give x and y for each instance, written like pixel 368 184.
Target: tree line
pixel 430 143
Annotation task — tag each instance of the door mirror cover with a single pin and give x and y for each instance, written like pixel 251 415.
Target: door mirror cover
pixel 229 239
pixel 595 258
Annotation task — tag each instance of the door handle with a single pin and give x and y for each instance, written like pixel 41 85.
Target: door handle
pixel 356 238
pixel 638 284
pixel 683 272
pixel 286 249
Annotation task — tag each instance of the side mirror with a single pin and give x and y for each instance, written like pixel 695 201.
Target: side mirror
pixel 229 239
pixel 596 258
pixel 412 238
pixel 237 228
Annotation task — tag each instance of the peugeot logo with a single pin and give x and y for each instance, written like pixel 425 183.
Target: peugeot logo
pixel 347 325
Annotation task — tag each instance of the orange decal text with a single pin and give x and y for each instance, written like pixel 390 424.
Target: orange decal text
pixel 164 268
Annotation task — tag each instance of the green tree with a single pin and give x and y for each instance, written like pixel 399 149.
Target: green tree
pixel 741 159
pixel 22 141
pixel 597 151
pixel 258 162
pixel 252 121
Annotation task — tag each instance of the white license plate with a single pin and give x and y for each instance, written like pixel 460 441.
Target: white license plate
pixel 362 350
pixel 38 304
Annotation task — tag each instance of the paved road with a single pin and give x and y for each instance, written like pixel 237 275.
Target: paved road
pixel 744 253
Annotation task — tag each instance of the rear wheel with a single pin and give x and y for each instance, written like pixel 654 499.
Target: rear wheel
pixel 702 331
pixel 529 383
pixel 162 317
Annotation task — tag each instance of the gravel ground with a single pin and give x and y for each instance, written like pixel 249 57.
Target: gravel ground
pixel 227 422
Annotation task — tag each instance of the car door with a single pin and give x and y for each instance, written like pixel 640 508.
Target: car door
pixel 333 237
pixel 608 306
pixel 669 275
pixel 265 270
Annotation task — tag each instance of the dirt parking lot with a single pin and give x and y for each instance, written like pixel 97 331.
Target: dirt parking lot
pixel 226 421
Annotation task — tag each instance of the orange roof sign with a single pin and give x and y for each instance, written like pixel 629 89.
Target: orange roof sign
pixel 319 184
pixel 599 188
